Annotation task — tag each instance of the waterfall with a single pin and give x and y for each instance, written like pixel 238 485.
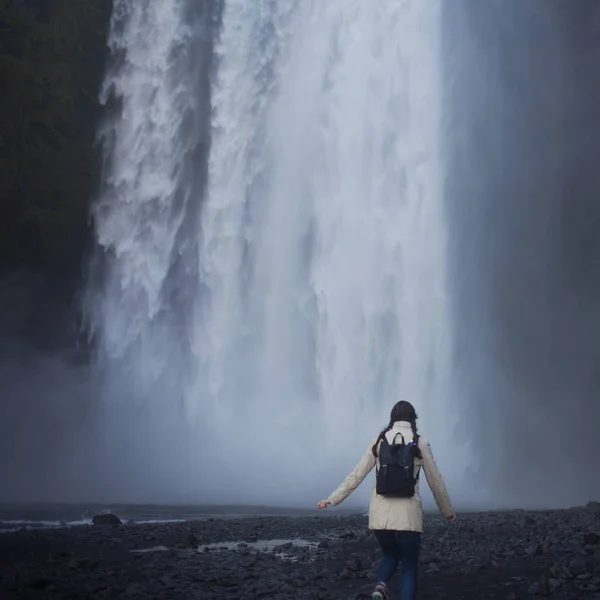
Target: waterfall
pixel 273 239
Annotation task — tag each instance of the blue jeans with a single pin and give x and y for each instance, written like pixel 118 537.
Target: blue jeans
pixel 400 547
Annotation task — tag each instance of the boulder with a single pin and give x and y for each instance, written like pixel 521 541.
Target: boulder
pixel 106 519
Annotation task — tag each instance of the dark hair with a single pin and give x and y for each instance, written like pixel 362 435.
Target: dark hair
pixel 402 411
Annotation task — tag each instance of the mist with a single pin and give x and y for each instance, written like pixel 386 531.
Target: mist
pixel 194 393
pixel 523 189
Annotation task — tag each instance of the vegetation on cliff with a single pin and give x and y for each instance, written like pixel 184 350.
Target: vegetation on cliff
pixel 52 57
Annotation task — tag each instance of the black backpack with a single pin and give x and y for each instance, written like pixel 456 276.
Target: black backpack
pixel 396 472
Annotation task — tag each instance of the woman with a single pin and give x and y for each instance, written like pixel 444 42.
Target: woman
pixel 397 521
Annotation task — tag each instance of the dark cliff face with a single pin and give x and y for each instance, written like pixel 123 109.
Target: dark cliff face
pixel 52 58
pixel 524 211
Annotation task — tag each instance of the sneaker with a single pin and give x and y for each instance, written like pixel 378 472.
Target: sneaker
pixel 380 592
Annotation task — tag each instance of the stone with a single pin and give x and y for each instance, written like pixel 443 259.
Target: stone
pixel 79 563
pixel 354 564
pixel 41 583
pixel 554 583
pixel 534 549
pixel 168 582
pixel 133 590
pixel 544 587
pixel 534 588
pixel 591 539
pixel 577 567
pixel 106 519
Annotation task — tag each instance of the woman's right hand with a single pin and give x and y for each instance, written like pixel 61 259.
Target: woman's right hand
pixel 452 518
pixel 323 504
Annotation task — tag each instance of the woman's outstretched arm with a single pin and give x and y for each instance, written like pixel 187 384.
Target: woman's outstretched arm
pixel 355 477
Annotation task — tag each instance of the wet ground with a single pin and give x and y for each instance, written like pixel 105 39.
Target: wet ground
pixel 498 555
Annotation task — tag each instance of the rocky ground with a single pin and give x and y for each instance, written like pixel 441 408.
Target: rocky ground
pixel 502 555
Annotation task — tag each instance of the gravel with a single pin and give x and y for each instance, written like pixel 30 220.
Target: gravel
pixel 512 555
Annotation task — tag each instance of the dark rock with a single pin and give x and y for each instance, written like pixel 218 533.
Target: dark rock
pixel 79 563
pixel 534 588
pixel 106 519
pixel 544 588
pixel 168 582
pixel 577 567
pixel 41 584
pixel 554 583
pixel 248 561
pixel 354 564
pixel 534 550
pixel 591 539
pixel 134 590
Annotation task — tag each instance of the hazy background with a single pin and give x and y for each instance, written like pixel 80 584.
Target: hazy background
pixel 522 103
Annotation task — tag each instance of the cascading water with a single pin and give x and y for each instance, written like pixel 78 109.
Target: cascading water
pixel 264 305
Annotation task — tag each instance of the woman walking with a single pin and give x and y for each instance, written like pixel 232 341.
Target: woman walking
pixel 395 511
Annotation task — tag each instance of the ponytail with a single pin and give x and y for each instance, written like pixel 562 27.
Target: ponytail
pixel 379 438
pixel 416 436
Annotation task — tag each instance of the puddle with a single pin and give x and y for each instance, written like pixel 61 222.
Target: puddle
pixel 280 547
pixel 153 549
pixel 262 545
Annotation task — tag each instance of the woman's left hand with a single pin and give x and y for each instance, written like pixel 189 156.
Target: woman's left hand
pixel 323 504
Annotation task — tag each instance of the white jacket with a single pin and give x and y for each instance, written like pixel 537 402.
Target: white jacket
pixel 399 514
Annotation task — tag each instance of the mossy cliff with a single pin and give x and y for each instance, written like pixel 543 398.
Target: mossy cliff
pixel 52 62
pixel 52 58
